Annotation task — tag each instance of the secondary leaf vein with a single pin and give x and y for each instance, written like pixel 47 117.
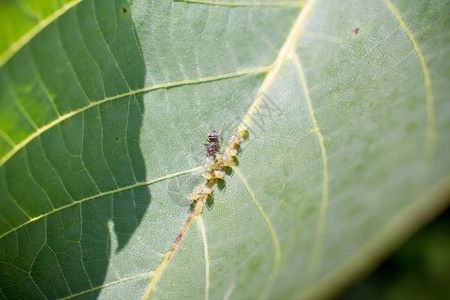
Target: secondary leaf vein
pixel 317 252
pixel 205 249
pixel 6 138
pixel 169 176
pixel 23 40
pixel 244 4
pixel 431 118
pixel 50 125
pixel 108 284
pixel 391 235
pixel 276 242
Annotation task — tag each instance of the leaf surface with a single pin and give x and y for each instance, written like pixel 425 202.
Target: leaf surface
pixel 102 107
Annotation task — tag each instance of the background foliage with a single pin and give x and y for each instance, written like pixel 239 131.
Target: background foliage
pixel 419 269
pixel 101 107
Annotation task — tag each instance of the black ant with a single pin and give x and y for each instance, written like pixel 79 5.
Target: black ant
pixel 213 138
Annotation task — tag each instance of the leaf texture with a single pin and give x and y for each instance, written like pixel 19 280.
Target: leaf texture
pixel 101 110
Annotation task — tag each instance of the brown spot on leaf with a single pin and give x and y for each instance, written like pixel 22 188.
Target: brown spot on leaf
pixel 124 10
pixel 116 138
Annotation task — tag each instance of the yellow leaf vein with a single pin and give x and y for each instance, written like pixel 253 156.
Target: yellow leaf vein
pixel 23 40
pixel 276 242
pixel 62 118
pixel 318 244
pixel 431 118
pixel 244 4
pixel 205 249
pixel 169 176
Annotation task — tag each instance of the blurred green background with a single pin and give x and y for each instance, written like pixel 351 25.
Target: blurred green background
pixel 420 269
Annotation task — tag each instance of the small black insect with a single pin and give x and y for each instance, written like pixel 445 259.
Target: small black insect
pixel 213 139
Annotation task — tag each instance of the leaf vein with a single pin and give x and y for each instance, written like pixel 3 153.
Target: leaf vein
pixel 41 82
pixel 70 65
pixel 276 242
pixel 82 151
pixel 205 249
pixel 102 148
pixel 431 118
pixel 83 40
pixel 126 140
pixel 318 244
pixel 109 48
pixel 57 258
pixel 391 235
pixel 81 247
pixel 108 285
pixel 20 106
pixel 54 170
pixel 6 138
pixel 245 4
pixel 13 200
pixel 27 164
pixel 169 176
pixel 165 261
pixel 23 40
pixel 44 128
pixel 276 66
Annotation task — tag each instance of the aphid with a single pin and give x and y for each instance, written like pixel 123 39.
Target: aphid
pixel 193 197
pixel 232 152
pixel 200 191
pixel 226 160
pixel 195 194
pixel 208 175
pixel 212 163
pixel 235 140
pixel 207 189
pixel 242 130
pixel 219 174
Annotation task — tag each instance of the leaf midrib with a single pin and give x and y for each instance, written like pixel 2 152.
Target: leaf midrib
pixel 274 70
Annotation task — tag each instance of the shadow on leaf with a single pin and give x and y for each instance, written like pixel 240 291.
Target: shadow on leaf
pixel 86 167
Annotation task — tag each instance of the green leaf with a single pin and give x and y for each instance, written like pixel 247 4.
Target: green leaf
pixel 101 111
